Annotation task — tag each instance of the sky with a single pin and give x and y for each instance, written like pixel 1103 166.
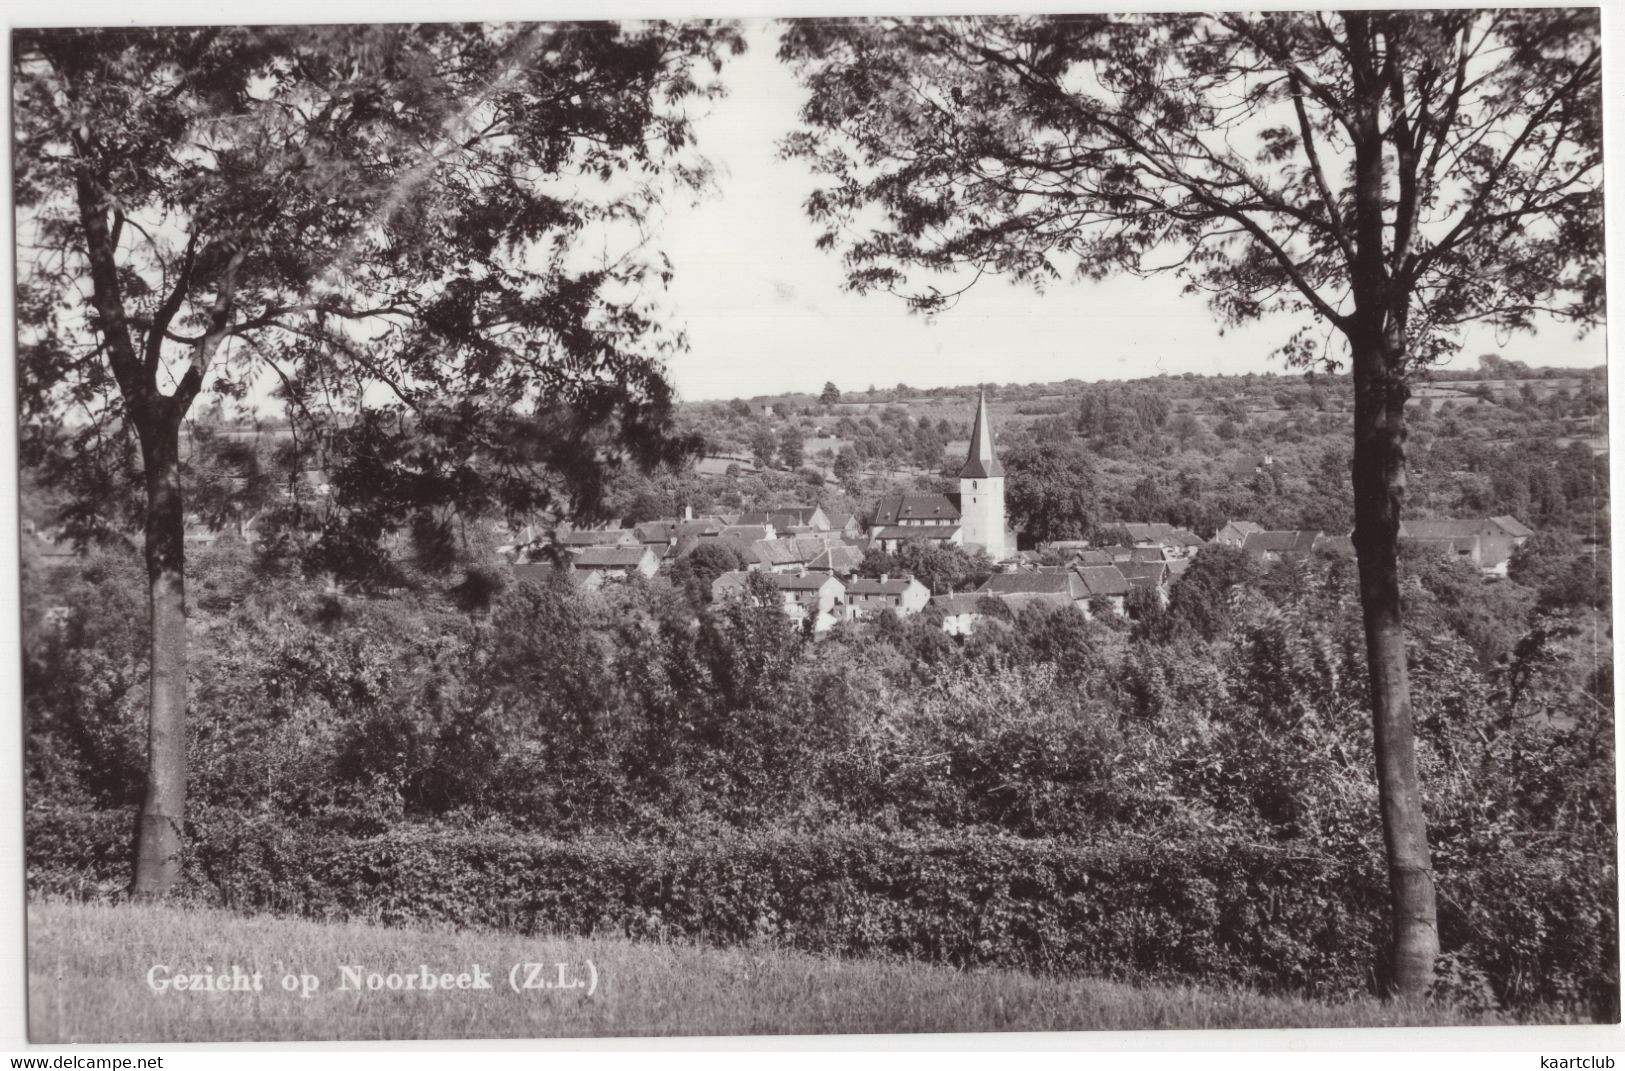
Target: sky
pixel 765 311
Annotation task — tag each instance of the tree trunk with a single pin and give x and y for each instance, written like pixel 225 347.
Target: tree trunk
pixel 158 844
pixel 1379 490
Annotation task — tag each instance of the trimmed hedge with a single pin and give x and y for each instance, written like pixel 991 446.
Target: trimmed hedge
pixel 1250 914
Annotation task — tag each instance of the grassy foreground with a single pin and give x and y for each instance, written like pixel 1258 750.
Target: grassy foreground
pixel 88 967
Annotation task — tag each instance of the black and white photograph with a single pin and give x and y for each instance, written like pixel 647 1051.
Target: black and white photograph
pixel 753 527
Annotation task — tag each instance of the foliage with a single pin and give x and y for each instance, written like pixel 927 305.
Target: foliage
pixel 301 232
pixel 1050 490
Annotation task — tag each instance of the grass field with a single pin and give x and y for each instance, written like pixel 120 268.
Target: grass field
pixel 88 968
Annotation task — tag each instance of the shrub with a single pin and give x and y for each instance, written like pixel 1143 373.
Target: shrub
pixel 1272 918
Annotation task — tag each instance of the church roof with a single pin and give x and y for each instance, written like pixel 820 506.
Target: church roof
pixel 980 464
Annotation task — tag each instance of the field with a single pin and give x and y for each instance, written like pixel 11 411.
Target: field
pixel 89 964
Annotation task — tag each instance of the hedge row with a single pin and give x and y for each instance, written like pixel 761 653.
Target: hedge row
pixel 1250 914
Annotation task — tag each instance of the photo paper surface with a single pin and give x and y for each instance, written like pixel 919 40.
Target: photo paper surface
pixel 1022 522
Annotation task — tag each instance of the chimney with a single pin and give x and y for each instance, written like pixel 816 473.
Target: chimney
pixel 884 578
pixel 688 513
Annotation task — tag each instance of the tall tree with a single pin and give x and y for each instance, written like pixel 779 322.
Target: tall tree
pixel 1380 178
pixel 382 223
pixel 1051 490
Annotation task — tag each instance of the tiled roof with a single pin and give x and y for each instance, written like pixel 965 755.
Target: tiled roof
pixel 1102 580
pixel 809 547
pixel 1152 572
pixel 744 533
pixel 597 537
pixel 611 557
pixel 1342 546
pixel 1512 526
pixel 954 605
pixel 1446 529
pixel 894 509
pixel 1030 583
pixel 870 586
pixel 656 531
pixel 838 559
pixel 777 552
pixel 1140 533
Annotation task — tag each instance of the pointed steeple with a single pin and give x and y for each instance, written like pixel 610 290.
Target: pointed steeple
pixel 980 464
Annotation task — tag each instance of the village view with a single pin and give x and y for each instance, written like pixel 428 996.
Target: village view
pixel 474 508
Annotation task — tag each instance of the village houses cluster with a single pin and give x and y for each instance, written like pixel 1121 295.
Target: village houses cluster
pixel 812 556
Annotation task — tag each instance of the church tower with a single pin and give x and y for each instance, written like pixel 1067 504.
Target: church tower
pixel 981 490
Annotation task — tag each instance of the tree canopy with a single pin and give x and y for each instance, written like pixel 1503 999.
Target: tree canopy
pixel 379 217
pixel 1223 149
pixel 1051 490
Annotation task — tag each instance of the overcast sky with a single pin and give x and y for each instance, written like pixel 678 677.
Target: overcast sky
pixel 765 311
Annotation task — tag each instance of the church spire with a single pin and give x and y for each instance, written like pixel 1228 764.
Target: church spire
pixel 980 464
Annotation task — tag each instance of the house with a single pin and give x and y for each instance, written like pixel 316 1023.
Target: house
pixel 845 524
pixel 1487 553
pixel 744 534
pixel 1248 465
pixel 1102 582
pixel 604 563
pixel 1166 536
pixel 777 555
pixel 657 533
pixel 1513 527
pixel 1060 587
pixel 700 528
pixel 865 596
pixel 960 613
pixel 1509 527
pixel 1235 533
pixel 816 596
pixel 916 510
pixel 786 517
pixel 1272 547
pixel 597 537
pixel 839 558
pixel 1335 546
pixel 1487 542
pixel 1152 576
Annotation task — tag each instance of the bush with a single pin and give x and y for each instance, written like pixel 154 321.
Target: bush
pixel 1274 919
